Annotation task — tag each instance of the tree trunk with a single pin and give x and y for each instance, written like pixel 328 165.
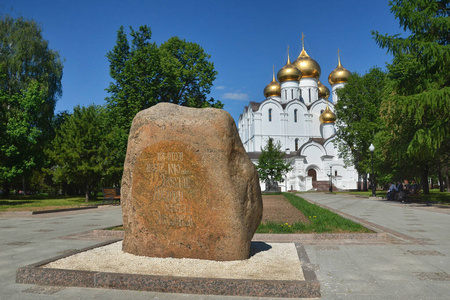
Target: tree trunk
pixel 365 182
pixel 441 180
pixel 87 193
pixel 24 187
pixel 424 179
pixel 447 181
pixel 5 189
pixel 359 182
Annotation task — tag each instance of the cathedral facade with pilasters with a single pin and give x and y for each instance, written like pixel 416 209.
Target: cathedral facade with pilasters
pixel 297 113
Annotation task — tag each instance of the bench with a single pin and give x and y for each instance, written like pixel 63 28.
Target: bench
pixel 111 195
pixel 412 197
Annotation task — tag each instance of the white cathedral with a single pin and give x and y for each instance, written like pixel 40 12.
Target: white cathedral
pixel 296 113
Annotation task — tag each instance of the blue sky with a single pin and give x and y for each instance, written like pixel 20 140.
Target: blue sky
pixel 244 38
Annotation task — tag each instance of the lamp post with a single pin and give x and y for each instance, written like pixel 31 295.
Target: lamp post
pixel 371 149
pixel 331 182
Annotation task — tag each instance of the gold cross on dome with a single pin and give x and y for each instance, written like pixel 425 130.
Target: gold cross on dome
pixel 303 41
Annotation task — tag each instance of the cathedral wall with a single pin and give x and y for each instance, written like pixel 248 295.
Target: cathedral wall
pixel 296 112
pixel 313 159
pixel 316 110
pixel 331 149
pixel 271 115
pixel 309 90
pixel 289 91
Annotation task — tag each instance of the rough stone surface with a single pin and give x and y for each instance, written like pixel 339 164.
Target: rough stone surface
pixel 189 189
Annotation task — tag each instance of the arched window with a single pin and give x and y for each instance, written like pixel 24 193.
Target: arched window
pixel 296 144
pixel 292 94
pixel 270 115
pixel 295 115
pixel 309 95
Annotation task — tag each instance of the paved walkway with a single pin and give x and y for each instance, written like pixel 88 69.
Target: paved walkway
pixel 411 262
pixel 414 264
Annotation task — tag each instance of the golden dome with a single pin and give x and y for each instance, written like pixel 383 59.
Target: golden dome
pixel 308 66
pixel 340 74
pixel 327 116
pixel 289 72
pixel 273 88
pixel 324 92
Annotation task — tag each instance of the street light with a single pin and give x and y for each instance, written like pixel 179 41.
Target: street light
pixel 374 194
pixel 331 182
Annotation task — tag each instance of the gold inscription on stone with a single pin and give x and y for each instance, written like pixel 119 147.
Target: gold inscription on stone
pixel 166 183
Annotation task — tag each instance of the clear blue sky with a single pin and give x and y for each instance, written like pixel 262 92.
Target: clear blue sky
pixel 244 38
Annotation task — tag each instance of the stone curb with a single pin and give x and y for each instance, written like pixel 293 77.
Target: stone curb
pixel 308 288
pixel 38 212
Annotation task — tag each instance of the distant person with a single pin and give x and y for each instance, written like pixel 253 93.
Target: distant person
pixel 391 191
pixel 399 188
pixel 413 187
pixel 406 187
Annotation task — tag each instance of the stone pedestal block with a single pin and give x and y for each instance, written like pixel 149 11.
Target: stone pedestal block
pixel 189 189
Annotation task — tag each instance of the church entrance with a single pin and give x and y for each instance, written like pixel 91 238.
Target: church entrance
pixel 312 173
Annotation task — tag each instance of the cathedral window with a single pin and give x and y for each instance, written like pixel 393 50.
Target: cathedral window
pixel 295 115
pixel 309 95
pixel 270 115
pixel 292 94
pixel 296 144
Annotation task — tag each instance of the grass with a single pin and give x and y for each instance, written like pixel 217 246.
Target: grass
pixel 321 220
pixel 42 202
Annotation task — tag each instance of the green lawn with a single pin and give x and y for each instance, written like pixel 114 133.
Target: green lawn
pixel 321 220
pixel 42 202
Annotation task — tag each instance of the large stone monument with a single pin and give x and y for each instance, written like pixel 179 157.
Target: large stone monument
pixel 188 188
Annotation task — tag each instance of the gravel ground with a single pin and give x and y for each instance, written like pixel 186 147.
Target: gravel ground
pixel 278 209
pixel 275 261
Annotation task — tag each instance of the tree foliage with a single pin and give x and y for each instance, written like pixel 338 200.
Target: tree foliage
pixel 145 74
pixel 187 74
pixel 417 112
pixel 358 117
pixel 80 152
pixel 30 84
pixel 271 163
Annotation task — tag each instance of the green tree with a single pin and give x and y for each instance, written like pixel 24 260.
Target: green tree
pixel 136 76
pixel 30 84
pixel 144 74
pixel 271 164
pixel 417 112
pixel 187 74
pixel 79 151
pixel 358 117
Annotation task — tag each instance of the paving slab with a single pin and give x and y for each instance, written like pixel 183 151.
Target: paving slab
pixel 408 258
